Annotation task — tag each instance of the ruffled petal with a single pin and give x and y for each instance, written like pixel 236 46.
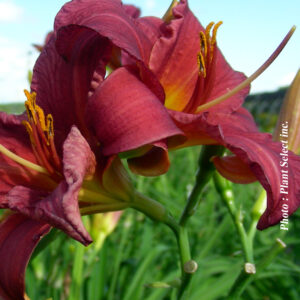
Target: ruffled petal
pixel 174 57
pixel 62 87
pixel 198 131
pixel 266 160
pixel 18 238
pixel 74 23
pixel 255 155
pixel 232 168
pixel 109 19
pixel 174 61
pixel 132 11
pixel 60 208
pixel 124 114
pixel 154 163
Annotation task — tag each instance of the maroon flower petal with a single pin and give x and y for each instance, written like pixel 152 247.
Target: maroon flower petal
pixel 256 151
pixel 125 114
pixel 132 11
pixel 264 158
pixel 14 137
pixel 174 61
pixel 62 87
pixel 174 57
pixel 222 79
pixel 18 238
pixel 109 19
pixel 150 26
pixel 232 168
pixel 200 129
pixel 154 163
pixel 60 208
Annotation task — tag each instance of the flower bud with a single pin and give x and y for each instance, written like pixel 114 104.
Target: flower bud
pixel 290 115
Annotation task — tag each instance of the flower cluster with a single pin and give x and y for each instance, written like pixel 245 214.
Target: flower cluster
pixel 110 85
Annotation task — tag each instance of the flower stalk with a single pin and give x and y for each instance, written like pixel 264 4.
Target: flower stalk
pixel 204 173
pixel 245 279
pixel 224 189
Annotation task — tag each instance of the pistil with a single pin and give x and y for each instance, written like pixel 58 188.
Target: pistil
pixel 22 161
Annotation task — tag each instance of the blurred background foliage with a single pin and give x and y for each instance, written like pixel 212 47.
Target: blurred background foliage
pixel 140 251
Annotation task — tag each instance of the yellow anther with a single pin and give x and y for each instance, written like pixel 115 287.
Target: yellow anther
pixel 41 117
pixel 214 34
pixel 203 43
pixel 31 97
pixel 207 31
pixel 201 64
pixel 30 111
pixel 50 128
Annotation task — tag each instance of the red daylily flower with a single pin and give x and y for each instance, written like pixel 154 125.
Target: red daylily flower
pixel 47 189
pixel 168 73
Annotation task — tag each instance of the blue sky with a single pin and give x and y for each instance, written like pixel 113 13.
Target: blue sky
pixel 250 32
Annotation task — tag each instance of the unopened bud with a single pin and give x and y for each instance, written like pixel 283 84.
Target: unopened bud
pixel 290 115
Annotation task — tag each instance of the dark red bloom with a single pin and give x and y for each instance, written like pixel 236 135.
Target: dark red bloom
pixel 47 189
pixel 166 75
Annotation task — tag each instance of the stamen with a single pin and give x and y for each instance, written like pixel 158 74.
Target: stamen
pixel 203 43
pixel 41 133
pixel 22 161
pixel 30 111
pixel 207 30
pixel 201 64
pixel 31 97
pixel 50 129
pixel 251 78
pixel 41 117
pixel 214 34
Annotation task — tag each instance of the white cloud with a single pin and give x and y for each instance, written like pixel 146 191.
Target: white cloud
pixel 9 11
pixel 15 61
pixel 150 4
pixel 286 79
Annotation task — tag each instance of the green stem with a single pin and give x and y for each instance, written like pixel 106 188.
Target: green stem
pixel 154 210
pixel 244 279
pixel 204 173
pixel 184 247
pixel 224 189
pixel 158 212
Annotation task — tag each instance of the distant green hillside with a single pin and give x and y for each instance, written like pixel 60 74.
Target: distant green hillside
pixel 14 108
pixel 265 108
